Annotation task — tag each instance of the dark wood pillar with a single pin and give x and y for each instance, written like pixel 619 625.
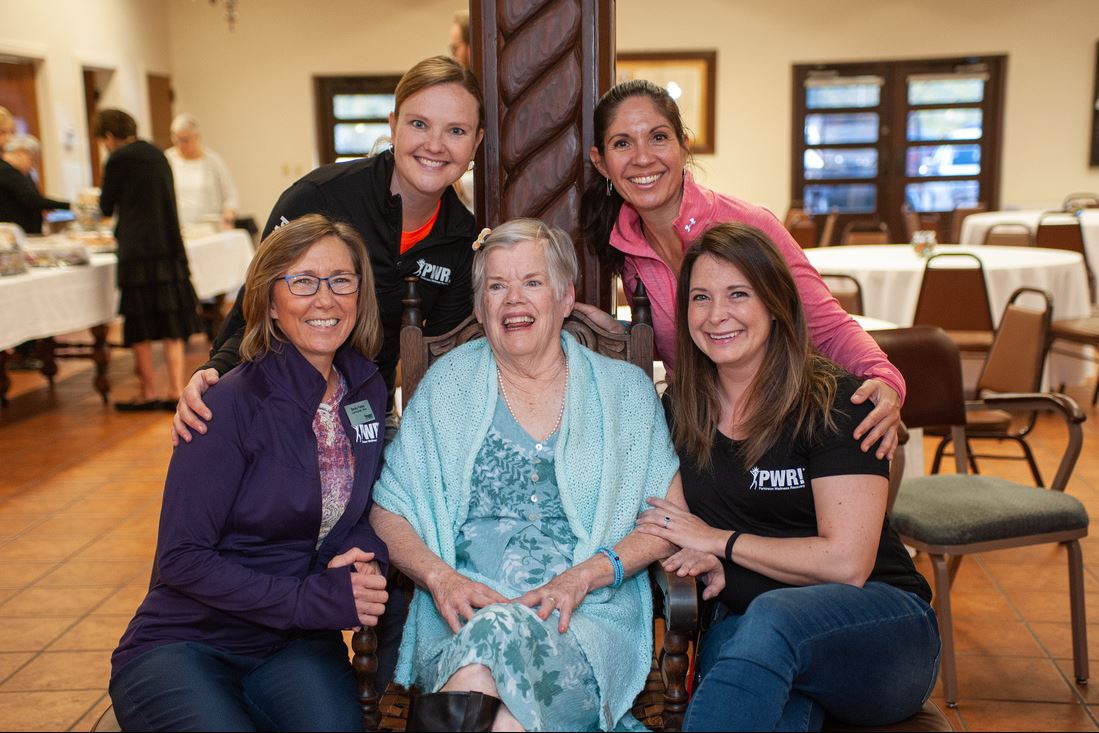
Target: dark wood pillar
pixel 543 65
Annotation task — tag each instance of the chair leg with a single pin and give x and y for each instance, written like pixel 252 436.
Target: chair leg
pixel 674 665
pixel 946 629
pixel 1095 394
pixel 955 563
pixel 939 451
pixel 972 459
pixel 1079 613
pixel 1029 455
pixel 364 643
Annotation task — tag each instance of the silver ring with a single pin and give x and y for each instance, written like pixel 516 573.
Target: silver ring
pixel 552 600
pixel 667 520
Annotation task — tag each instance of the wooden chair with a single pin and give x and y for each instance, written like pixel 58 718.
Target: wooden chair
pixel 1009 234
pixel 1077 201
pixel 845 289
pixel 958 216
pixel 663 701
pixel 950 516
pixel 914 222
pixel 828 230
pixel 866 231
pixel 956 299
pixel 804 231
pixel 1058 230
pixel 1015 364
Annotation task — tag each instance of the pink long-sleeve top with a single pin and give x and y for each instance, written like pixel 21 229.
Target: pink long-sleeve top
pixel 833 331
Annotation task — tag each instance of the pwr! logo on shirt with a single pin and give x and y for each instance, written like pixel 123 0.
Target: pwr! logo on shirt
pixel 778 479
pixel 432 273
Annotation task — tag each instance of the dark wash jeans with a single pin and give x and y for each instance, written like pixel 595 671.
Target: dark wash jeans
pixel 867 656
pixel 307 685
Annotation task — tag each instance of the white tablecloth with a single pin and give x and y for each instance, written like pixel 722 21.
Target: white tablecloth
pixel 51 301
pixel 975 226
pixel 891 275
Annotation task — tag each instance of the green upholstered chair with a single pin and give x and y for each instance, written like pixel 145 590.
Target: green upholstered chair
pixel 949 516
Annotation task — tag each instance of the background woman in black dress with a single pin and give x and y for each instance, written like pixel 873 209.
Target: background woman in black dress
pixel 158 302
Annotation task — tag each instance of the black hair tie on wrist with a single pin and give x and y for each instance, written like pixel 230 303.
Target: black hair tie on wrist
pixel 729 545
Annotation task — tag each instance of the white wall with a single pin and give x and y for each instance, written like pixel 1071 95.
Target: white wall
pixel 1050 76
pixel 129 37
pixel 252 88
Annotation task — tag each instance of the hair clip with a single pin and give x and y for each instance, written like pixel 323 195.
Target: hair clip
pixel 480 241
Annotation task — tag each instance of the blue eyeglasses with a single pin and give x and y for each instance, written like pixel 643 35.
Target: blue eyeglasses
pixel 344 283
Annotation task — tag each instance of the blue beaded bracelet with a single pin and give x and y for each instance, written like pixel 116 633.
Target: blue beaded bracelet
pixel 616 561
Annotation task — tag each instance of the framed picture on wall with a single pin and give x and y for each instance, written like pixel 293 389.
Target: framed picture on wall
pixel 690 78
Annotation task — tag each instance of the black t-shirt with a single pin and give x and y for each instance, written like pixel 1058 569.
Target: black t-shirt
pixel 774 498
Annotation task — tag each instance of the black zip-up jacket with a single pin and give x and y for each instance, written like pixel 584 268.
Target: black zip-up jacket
pixel 20 201
pixel 358 193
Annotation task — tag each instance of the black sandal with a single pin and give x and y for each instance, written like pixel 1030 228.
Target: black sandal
pixel 138 406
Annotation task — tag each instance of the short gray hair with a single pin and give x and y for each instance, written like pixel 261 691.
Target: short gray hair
pixel 23 143
pixel 183 122
pixel 561 265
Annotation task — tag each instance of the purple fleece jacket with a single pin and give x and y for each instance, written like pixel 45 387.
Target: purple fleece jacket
pixel 237 563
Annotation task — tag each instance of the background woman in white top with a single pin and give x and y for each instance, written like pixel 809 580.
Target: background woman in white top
pixel 204 188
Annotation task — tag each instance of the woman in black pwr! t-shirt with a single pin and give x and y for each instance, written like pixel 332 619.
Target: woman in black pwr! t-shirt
pixel 816 607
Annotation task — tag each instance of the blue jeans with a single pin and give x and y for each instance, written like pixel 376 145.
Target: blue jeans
pixel 307 685
pixel 867 656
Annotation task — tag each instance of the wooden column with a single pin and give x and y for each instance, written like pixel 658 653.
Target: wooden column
pixel 543 65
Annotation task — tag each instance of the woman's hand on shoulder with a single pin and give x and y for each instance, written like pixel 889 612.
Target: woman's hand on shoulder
pixel 698 564
pixel 564 593
pixel 457 597
pixel 599 317
pixel 678 526
pixel 191 411
pixel 367 584
pixel 883 420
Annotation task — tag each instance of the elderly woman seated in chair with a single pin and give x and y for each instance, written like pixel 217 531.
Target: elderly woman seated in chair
pixel 817 605
pixel 510 497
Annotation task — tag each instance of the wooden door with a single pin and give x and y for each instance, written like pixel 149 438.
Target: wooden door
pixel 161 98
pixel 18 94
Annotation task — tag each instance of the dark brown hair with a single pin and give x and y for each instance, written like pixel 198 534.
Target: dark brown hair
pixel 116 122
pixel 793 379
pixel 281 249
pixel 599 207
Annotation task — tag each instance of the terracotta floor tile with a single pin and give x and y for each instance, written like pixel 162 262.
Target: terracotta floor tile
pixel 110 506
pixel 92 716
pixel 73 524
pixel 62 671
pixel 53 602
pixel 83 573
pixel 124 601
pixel 20 574
pixel 38 548
pixel 11 661
pixel 1047 606
pixel 980 605
pixel 1014 716
pixel 32 633
pixel 36 503
pixel 994 638
pixel 94 632
pixel 14 523
pixel 116 546
pixel 1047 554
pixel 45 711
pixel 1037 577
pixel 1022 679
pixel 1090 691
pixel 1056 637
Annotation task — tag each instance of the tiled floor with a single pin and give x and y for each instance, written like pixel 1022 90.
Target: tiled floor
pixel 79 500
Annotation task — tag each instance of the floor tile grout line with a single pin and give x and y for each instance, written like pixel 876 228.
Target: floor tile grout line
pixel 89 710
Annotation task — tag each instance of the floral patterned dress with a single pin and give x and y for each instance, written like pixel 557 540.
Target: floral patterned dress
pixel 517 531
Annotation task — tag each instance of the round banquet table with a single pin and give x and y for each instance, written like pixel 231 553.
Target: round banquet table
pixel 976 226
pixel 891 274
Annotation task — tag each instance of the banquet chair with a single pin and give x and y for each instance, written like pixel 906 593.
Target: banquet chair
pixel 1015 364
pixel 1009 234
pixel 663 700
pixel 958 215
pixel 804 231
pixel 956 300
pixel 845 289
pixel 828 230
pixel 796 211
pixel 914 222
pixel 866 231
pixel 949 516
pixel 1058 230
pixel 1077 201
pixel 1080 331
